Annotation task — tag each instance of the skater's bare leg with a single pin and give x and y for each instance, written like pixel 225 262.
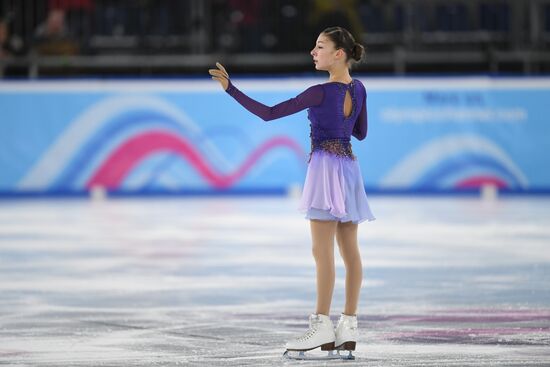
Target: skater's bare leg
pixel 322 235
pixel 346 235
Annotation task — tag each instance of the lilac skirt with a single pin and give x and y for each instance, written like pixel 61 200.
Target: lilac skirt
pixel 334 190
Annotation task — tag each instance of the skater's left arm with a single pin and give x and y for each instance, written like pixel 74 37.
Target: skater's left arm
pixel 312 96
pixel 361 124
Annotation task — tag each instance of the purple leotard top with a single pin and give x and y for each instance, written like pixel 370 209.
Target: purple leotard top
pixel 330 129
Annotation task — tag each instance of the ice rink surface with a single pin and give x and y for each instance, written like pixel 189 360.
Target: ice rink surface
pixel 449 281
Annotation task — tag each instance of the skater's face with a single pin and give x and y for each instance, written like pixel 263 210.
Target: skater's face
pixel 325 55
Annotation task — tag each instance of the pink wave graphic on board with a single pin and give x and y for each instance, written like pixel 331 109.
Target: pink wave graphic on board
pixel 120 163
pixel 478 181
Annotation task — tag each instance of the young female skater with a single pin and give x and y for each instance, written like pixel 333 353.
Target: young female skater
pixel 333 197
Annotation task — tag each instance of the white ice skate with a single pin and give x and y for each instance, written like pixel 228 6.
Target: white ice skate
pixel 346 334
pixel 320 334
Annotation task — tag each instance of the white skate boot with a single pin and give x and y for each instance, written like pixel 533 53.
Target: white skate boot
pixel 319 334
pixel 346 334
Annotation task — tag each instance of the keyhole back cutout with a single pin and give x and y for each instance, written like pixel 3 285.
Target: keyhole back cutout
pixel 348 105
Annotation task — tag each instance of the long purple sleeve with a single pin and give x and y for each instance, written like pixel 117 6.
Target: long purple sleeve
pixel 313 96
pixel 361 124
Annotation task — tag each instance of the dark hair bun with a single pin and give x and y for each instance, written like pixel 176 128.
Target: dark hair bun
pixel 343 39
pixel 357 52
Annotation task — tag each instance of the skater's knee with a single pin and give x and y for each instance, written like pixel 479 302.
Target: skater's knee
pixel 349 251
pixel 319 253
pixel 322 253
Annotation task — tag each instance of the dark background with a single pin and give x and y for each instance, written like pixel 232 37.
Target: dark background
pixel 63 38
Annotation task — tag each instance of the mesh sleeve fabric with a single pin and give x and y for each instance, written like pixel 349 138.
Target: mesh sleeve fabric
pixel 313 96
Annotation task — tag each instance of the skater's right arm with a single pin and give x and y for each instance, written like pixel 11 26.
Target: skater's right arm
pixel 361 124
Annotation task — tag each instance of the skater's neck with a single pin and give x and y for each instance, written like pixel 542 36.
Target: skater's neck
pixel 340 75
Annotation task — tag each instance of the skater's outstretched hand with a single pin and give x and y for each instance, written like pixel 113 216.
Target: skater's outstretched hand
pixel 220 74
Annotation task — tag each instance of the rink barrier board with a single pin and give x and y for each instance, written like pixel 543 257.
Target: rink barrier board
pixel 150 137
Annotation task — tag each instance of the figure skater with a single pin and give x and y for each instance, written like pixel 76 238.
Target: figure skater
pixel 333 197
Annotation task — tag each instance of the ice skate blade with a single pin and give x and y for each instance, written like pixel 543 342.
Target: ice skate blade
pixel 303 356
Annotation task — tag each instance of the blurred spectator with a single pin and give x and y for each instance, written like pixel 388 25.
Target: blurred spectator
pixel 53 37
pixel 330 13
pixel 246 17
pixel 78 16
pixel 10 45
pixel 5 47
pixel 222 35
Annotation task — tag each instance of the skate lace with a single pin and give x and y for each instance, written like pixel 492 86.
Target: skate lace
pixel 308 334
pixel 313 328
